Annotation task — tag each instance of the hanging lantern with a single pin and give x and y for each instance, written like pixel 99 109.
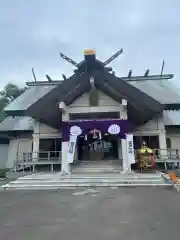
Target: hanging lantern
pixel 94 134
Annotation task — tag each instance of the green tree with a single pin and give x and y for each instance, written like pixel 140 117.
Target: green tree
pixel 7 95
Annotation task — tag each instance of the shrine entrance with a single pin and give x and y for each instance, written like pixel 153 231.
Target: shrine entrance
pixel 96 146
pixel 94 139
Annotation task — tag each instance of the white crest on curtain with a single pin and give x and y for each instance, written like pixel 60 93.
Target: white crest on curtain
pixel 114 129
pixel 75 131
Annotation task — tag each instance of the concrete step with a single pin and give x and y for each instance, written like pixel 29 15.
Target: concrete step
pixel 97 171
pixel 86 179
pixel 73 186
pixel 79 181
pixel 100 162
pixel 97 167
pixel 69 183
pixel 57 176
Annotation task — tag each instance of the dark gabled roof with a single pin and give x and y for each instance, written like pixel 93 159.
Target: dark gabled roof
pixel 47 109
pixel 141 107
pixel 44 106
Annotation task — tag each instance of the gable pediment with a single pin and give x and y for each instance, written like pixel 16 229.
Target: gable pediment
pixel 103 100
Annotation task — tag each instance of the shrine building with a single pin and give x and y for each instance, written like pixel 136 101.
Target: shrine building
pixel 97 106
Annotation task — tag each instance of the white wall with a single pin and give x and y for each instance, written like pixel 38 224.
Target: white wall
pixel 17 147
pixel 43 131
pixel 46 131
pixel 103 100
pixel 3 155
pixel 153 127
pixel 175 139
pixel 105 104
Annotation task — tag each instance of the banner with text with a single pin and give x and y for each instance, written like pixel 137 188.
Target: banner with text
pixel 71 148
pixel 130 149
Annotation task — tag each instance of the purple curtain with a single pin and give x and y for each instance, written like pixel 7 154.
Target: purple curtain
pixel 101 125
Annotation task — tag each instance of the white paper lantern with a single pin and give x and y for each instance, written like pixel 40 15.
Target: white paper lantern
pixel 114 129
pixel 75 131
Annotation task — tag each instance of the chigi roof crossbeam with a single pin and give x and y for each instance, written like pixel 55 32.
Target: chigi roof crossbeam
pixel 149 77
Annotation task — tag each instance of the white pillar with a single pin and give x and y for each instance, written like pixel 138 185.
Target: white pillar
pixel 36 140
pixel 123 111
pixel 130 150
pixel 124 116
pixel 162 144
pixel 124 154
pixel 64 160
pixel 64 149
pixel 35 147
pixel 120 156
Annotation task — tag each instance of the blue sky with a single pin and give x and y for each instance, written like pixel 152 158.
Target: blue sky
pixel 33 33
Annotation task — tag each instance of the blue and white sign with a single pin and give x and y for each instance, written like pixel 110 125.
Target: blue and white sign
pixel 71 148
pixel 75 131
pixel 130 149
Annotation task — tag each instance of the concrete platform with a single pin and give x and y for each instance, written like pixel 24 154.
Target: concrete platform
pixel 88 174
pixel 56 181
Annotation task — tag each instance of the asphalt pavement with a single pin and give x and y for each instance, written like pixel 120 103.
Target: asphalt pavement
pixel 103 213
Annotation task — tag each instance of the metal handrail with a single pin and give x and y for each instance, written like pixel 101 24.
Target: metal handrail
pixel 56 155
pixel 168 152
pixel 29 159
pixel 39 156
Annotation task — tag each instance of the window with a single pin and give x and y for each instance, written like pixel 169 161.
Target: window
pixel 53 146
pixel 151 141
pixel 168 142
pixel 50 144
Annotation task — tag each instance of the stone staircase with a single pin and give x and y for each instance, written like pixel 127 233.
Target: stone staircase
pixel 97 167
pixel 87 175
